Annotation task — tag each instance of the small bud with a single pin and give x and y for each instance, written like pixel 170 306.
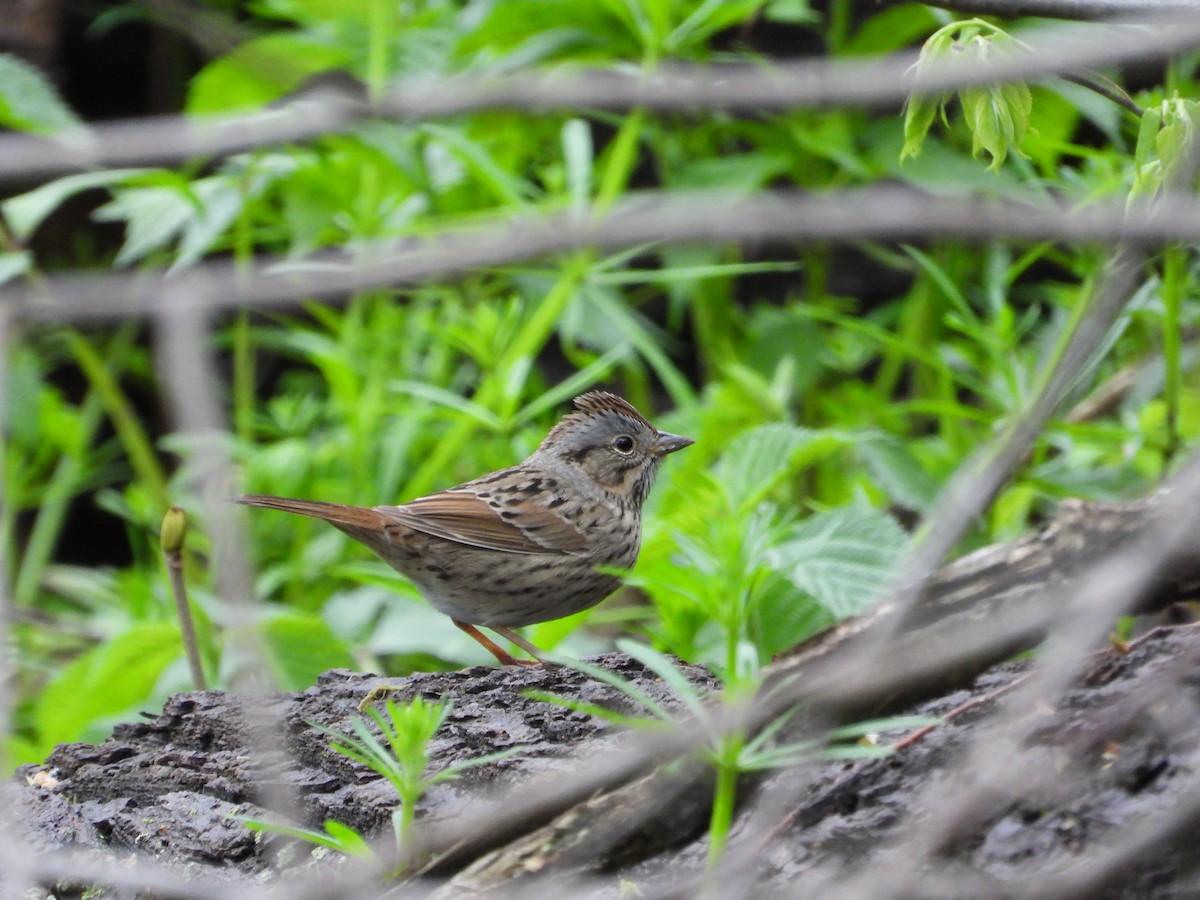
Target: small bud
pixel 174 530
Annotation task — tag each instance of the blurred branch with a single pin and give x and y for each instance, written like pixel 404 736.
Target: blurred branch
pixel 1067 9
pixel 978 480
pixel 883 213
pixel 1053 50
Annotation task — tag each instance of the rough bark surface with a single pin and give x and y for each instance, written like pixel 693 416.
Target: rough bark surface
pixel 1111 756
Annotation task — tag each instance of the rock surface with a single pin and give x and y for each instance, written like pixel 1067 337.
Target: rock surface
pixel 1118 750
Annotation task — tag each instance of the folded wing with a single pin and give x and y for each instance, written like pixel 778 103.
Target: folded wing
pixel 515 526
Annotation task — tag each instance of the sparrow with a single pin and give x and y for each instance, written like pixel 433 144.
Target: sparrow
pixel 521 545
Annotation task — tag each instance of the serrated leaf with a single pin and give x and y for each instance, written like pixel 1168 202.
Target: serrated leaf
pixel 153 217
pixel 919 114
pixel 842 558
pixel 221 201
pixel 898 472
pixel 29 102
pixel 109 679
pixel 757 460
pixel 783 618
pixel 1020 103
pixel 25 212
pixel 300 646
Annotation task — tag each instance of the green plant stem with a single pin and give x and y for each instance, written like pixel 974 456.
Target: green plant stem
pixel 377 48
pixel 840 12
pixel 244 377
pixel 724 796
pixel 172 538
pixel 715 320
pixel 405 825
pixel 244 374
pixel 63 484
pixel 622 157
pixel 1174 286
pixel 125 421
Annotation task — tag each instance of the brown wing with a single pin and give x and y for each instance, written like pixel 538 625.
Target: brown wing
pixel 462 516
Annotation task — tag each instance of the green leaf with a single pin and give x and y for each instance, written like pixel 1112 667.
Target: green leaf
pixel 25 212
pixel 153 217
pixel 919 113
pixel 791 12
pixel 578 153
pixel 221 200
pixel 109 679
pixel 1148 135
pixel 1176 137
pixel 741 173
pixel 666 669
pixel 1019 100
pixel 843 557
pixel 891 29
pixel 898 472
pixel 336 836
pixel 1052 121
pixel 347 839
pixel 996 115
pixel 301 646
pixel 260 71
pixel 757 460
pixel 782 618
pixel 707 19
pixel 14 265
pixel 1165 140
pixel 612 679
pixel 29 102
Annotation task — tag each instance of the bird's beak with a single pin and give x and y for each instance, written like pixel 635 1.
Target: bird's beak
pixel 668 443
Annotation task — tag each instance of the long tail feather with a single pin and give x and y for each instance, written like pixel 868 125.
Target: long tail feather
pixel 335 513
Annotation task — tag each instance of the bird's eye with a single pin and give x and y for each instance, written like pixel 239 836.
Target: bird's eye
pixel 623 444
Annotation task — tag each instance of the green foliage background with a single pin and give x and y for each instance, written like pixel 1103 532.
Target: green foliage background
pixel 826 420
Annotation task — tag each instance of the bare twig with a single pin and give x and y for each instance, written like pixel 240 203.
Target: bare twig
pixel 881 213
